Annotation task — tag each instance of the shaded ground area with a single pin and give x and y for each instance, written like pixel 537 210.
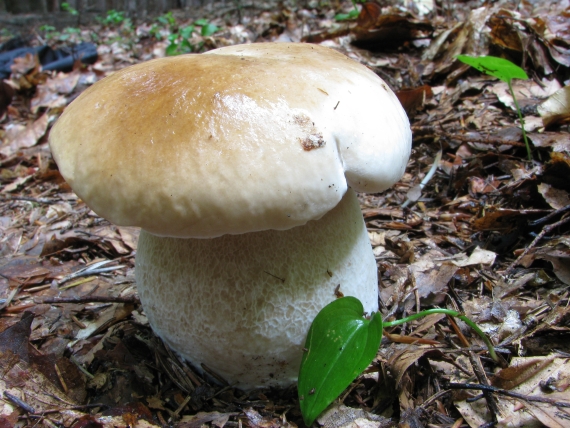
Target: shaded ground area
pixel 487 235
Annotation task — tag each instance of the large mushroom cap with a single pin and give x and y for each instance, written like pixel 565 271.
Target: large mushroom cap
pixel 240 139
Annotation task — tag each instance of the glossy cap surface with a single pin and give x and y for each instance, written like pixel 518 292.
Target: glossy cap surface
pixel 239 139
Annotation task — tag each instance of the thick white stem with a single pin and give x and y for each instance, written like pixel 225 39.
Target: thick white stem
pixel 242 304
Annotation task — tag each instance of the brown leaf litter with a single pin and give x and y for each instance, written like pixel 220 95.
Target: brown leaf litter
pixel 488 235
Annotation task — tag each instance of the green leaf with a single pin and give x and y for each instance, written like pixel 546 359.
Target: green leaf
pixel 172 49
pixel 340 344
pixel 346 16
pixel 185 47
pixel 186 32
pixel 209 29
pixel 201 22
pixel 496 67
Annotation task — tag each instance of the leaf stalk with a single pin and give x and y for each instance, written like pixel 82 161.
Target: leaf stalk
pixel 521 120
pixel 456 314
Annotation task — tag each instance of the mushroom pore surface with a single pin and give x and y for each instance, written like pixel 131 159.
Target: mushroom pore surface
pixel 242 304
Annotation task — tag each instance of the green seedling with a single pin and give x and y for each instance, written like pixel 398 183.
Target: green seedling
pixel 207 27
pixel 113 17
pixel 353 14
pixel 68 33
pixel 504 70
pixel 66 7
pixel 49 31
pixel 179 43
pixel 167 20
pixel 51 34
pixel 340 344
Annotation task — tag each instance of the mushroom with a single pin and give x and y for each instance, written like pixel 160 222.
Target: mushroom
pixel 240 165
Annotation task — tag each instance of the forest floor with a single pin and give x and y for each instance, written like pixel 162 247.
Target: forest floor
pixel 488 235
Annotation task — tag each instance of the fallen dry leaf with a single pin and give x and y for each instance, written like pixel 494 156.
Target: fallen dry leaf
pixel 556 109
pixel 525 376
pixel 478 256
pixel 341 416
pixel 26 137
pixel 556 198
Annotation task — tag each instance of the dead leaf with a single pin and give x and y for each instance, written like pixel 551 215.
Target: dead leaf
pixel 6 95
pixel 341 416
pixel 431 281
pixel 500 219
pixel 478 256
pixel 526 375
pixel 556 109
pixel 560 142
pixel 199 419
pixel 388 30
pixel 528 92
pixel 413 99
pixel 556 198
pixel 27 137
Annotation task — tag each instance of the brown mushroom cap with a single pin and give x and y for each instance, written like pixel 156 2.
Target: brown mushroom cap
pixel 240 139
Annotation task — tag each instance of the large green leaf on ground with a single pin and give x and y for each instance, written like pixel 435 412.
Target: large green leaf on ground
pixel 340 344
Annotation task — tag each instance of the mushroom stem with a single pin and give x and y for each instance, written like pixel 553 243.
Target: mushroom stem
pixel 242 304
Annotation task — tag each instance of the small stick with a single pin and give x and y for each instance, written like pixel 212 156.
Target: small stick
pixel 22 404
pixel 543 232
pixel 180 408
pixel 491 400
pixel 482 140
pixel 79 407
pixel 6 198
pixel 549 216
pixel 214 374
pixel 91 299
pixel 61 380
pixel 493 389
pixel 457 330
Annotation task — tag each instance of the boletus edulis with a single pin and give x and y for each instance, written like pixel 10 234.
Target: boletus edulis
pixel 241 166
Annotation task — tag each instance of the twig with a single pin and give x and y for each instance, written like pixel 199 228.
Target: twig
pixel 174 415
pixel 434 397
pixel 425 181
pixel 80 367
pixel 458 331
pixel 91 299
pixel 491 400
pixel 495 390
pixel 475 348
pixel 22 404
pixel 6 302
pixel 93 269
pixel 215 375
pixel 482 140
pixel 543 232
pixel 549 216
pixel 6 198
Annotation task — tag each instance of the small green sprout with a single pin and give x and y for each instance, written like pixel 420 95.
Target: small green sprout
pixel 67 8
pixel 113 17
pixel 179 41
pixel 504 70
pixel 207 27
pixel 353 14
